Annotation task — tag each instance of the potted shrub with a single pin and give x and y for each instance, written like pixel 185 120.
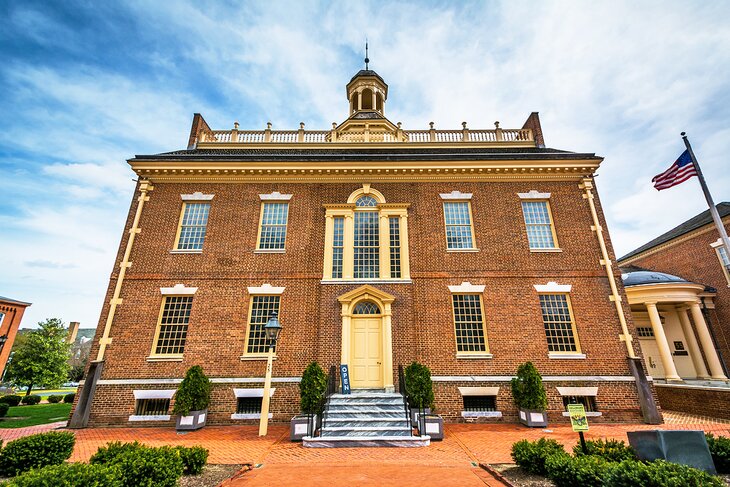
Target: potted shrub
pixel 529 396
pixel 312 389
pixel 192 399
pixel 420 395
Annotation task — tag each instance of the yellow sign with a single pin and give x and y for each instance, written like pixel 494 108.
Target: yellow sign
pixel 578 419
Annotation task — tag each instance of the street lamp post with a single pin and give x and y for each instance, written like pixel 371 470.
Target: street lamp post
pixel 272 330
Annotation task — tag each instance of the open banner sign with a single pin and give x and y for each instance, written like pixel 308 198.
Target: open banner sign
pixel 345 376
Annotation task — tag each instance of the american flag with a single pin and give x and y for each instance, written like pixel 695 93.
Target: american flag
pixel 679 172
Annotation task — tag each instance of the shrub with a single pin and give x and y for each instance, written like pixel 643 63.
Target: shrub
pixel 149 467
pixel 69 475
pixel 193 393
pixel 312 388
pixel 611 450
pixel 11 399
pixel 584 471
pixel 419 386
pixel 107 454
pixel 720 451
pixel 193 458
pixel 36 451
pixel 527 390
pixel 658 473
pixel 32 399
pixel 55 398
pixel 4 409
pixel 69 398
pixel 531 455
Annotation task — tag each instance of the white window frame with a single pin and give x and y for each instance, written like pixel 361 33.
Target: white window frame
pixel 152 394
pixel 718 247
pixel 251 392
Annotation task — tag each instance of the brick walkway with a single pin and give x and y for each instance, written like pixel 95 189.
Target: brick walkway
pixel 453 461
pixel 9 434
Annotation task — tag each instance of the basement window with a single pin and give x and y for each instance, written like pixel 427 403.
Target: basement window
pixel 248 403
pixel 580 395
pixel 152 405
pixel 588 402
pixel 480 403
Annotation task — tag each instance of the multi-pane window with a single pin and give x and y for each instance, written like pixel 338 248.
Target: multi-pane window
pixel 394 224
pixel 539 224
pixel 248 405
pixel 558 321
pixel 588 402
pixel 151 407
pixel 366 308
pixel 262 307
pixel 469 323
pixel 457 215
pixel 724 260
pixel 367 244
pixel 173 328
pixel 273 226
pixel 480 403
pixel 192 226
pixel 338 247
pixel 645 331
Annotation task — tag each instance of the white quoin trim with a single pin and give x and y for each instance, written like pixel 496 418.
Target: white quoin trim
pixel 267 289
pixel 159 394
pixel 467 287
pixel 455 195
pixel 716 244
pixel 534 195
pixel 178 289
pixel 553 287
pixel 253 392
pixel 578 391
pixel 197 196
pixel 479 391
pixel 275 196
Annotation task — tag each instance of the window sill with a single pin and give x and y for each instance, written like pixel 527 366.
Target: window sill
pixel 591 414
pixel 160 417
pixel 165 358
pixel 269 251
pixel 481 414
pixel 462 250
pixel 366 281
pixel 544 251
pixel 256 357
pixel 185 251
pixel 567 356
pixel 249 416
pixel 473 356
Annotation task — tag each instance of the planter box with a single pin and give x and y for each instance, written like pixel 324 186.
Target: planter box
pixel 194 421
pixel 414 415
pixel 533 418
pixel 434 426
pixel 299 426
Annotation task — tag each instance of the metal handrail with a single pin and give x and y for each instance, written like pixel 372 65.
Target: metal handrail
pixel 404 393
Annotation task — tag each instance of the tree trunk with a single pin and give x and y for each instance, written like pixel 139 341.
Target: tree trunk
pixel 30 388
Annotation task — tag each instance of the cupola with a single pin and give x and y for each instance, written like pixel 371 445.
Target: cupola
pixel 367 92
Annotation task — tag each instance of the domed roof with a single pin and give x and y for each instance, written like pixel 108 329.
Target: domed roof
pixel 366 72
pixel 643 277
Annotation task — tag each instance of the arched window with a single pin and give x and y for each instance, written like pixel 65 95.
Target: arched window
pixel 366 308
pixel 367 99
pixel 366 239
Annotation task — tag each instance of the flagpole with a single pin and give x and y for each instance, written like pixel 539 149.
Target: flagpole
pixel 708 197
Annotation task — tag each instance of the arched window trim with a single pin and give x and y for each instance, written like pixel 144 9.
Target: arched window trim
pixel 366 307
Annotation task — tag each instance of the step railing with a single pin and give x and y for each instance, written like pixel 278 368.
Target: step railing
pixel 404 393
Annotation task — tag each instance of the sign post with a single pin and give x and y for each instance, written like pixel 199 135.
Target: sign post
pixel 579 422
pixel 345 376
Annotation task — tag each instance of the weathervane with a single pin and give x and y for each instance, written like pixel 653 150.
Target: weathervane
pixel 366 54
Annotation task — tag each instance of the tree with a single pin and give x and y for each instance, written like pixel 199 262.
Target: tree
pixel 42 357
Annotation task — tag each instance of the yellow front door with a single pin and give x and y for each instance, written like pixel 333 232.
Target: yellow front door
pixel 366 367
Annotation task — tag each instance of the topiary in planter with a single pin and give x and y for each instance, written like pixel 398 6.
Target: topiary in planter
pixel 419 386
pixel 312 389
pixel 527 389
pixel 55 398
pixel 11 399
pixel 69 398
pixel 31 400
pixel 193 393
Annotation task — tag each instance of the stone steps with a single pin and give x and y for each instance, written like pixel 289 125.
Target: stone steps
pixel 366 441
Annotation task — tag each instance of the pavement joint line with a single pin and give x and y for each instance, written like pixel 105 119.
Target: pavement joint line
pixel 461 444
pixel 271 448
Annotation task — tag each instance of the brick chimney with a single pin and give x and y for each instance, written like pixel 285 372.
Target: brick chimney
pixel 73 330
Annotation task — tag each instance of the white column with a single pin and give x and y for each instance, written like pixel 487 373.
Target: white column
pixel 329 234
pixel 706 340
pixel 345 355
pixel 387 349
pixel 359 100
pixel 694 348
pixel 661 340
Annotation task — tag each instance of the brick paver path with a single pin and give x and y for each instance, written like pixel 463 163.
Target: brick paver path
pixel 9 434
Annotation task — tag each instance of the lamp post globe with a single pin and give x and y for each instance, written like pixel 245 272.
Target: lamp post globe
pixel 272 329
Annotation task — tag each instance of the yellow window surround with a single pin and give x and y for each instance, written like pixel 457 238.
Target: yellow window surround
pixel 458 217
pixel 193 223
pixel 557 304
pixel 169 345
pixel 723 257
pixel 537 215
pixel 470 316
pixel 347 212
pixel 262 303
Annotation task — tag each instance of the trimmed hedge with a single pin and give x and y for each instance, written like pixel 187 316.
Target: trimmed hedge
pixel 658 474
pixel 11 399
pixel 4 409
pixel 531 455
pixel 611 450
pixel 31 400
pixel 55 398
pixel 36 451
pixel 70 475
pixel 69 398
pixel 150 467
pixel 583 471
pixel 109 453
pixel 193 458
pixel 720 451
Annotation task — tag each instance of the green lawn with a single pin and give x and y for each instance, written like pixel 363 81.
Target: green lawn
pixel 44 393
pixel 35 415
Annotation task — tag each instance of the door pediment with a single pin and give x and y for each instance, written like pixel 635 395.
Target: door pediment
pixel 366 291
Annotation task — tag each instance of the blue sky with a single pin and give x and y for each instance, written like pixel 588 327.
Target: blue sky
pixel 86 85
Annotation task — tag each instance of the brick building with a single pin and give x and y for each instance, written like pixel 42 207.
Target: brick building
pixel 470 251
pixel 678 287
